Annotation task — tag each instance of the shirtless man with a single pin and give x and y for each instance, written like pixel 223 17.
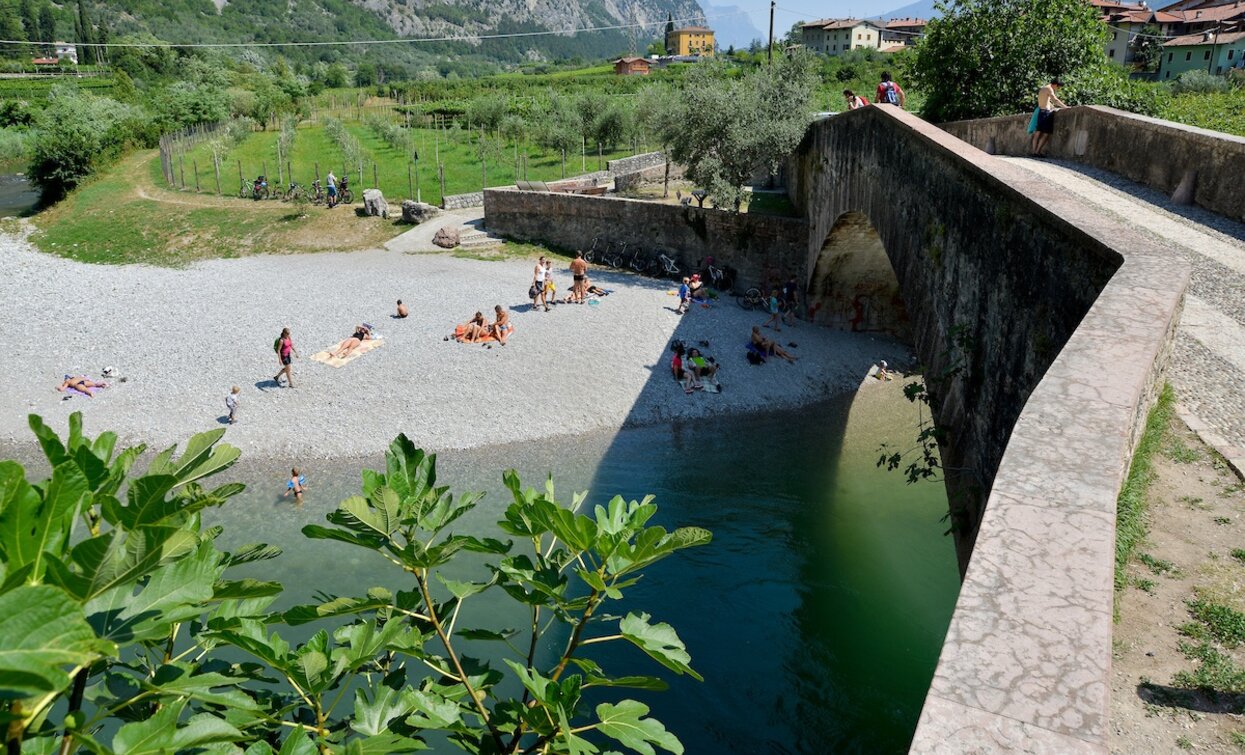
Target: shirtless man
pixel 501 325
pixel 402 309
pixel 579 271
pixel 768 346
pixel 1048 103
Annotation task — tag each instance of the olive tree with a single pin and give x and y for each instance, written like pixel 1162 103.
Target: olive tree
pixel 724 128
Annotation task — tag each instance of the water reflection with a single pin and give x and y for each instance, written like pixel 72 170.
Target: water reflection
pixel 17 196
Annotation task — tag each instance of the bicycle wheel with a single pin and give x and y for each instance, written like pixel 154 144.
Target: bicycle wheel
pixel 347 197
pixel 244 192
pixel 749 299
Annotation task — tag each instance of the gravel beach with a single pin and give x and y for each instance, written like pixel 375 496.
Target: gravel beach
pixel 183 337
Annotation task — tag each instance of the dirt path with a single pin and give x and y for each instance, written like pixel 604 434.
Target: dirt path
pixel 1162 652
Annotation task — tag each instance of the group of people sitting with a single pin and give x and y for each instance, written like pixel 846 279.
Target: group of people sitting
pixel 477 330
pixel 693 369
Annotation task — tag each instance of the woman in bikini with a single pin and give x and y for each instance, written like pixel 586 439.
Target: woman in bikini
pixel 81 384
pixel 769 347
pixel 475 329
pixel 361 333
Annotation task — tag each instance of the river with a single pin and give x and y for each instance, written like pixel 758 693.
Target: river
pixel 17 196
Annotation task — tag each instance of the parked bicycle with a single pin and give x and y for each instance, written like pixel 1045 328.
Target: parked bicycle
pixel 637 263
pixel 613 258
pixel 751 299
pixel 667 266
pixel 344 194
pixel 592 255
pixel 294 191
pixel 257 189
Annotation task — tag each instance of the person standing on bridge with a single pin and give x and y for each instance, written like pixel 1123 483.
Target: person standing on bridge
pixel 1044 118
pixel 890 93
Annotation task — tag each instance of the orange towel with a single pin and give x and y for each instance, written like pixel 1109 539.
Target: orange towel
pixel 488 337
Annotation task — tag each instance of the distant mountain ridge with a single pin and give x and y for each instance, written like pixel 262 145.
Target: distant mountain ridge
pixel 731 25
pixel 920 9
pixel 277 21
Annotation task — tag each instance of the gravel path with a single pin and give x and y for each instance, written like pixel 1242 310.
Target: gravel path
pixel 182 337
pixel 1208 364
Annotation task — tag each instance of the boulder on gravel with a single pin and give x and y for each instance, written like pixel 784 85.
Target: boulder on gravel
pixel 417 212
pixel 374 203
pixel 447 237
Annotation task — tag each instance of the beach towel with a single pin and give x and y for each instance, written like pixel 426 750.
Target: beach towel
pixel 1033 122
pixel 363 348
pixel 460 329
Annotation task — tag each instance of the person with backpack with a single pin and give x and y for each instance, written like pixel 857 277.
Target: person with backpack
pixel 284 346
pixel 889 93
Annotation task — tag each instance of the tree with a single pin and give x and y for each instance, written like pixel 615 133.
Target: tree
pixel 723 129
pixel 656 48
pixel 115 593
pixel 988 57
pixel 47 27
pixel 76 132
pixel 336 76
pixel 365 75
pixel 1148 47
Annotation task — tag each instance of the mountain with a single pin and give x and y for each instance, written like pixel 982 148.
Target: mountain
pixel 277 21
pixel 920 9
pixel 731 25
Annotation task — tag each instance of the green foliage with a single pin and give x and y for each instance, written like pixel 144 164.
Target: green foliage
pixel 1108 84
pixel 1221 623
pixel 1224 111
pixel 988 57
pixel 1131 507
pixel 1199 82
pixel 117 619
pixel 78 133
pixel 1239 554
pixel 1147 47
pixel 1215 671
pixel 724 127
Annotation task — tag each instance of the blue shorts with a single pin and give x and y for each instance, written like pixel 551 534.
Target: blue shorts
pixel 332 191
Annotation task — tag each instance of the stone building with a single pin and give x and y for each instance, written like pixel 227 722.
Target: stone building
pixel 834 36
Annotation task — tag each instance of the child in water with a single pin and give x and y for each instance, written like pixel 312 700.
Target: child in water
pixel 296 485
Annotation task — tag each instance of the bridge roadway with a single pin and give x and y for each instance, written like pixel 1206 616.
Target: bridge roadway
pixel 1208 364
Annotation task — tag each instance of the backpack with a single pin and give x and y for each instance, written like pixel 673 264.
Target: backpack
pixel 890 93
pixel 276 345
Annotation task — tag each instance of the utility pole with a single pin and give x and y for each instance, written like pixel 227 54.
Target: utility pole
pixel 770 51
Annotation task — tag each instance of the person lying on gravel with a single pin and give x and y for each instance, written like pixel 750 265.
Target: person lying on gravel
pixel 361 333
pixel 769 347
pixel 80 383
pixel 472 331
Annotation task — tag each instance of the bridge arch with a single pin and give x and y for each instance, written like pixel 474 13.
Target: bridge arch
pixel 852 285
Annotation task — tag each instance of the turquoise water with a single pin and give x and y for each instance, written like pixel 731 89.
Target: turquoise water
pixel 816 614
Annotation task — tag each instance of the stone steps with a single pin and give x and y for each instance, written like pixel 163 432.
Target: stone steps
pixel 470 238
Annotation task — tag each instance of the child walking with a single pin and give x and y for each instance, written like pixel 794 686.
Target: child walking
pixel 775 314
pixel 231 401
pixel 296 485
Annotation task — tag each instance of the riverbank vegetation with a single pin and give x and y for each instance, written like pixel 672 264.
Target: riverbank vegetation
pixel 140 635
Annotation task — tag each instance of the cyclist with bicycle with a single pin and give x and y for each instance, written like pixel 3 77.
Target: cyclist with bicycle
pixel 259 188
pixel 344 193
pixel 331 181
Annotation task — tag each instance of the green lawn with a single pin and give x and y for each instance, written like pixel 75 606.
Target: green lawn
pixel 314 150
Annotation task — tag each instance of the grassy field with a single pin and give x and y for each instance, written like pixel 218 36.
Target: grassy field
pixel 125 216
pixel 313 149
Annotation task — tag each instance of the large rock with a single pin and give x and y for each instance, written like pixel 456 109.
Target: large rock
pixel 417 212
pixel 374 203
pixel 447 237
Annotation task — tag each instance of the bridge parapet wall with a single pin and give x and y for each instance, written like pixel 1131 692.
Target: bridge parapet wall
pixel 1065 320
pixel 1192 165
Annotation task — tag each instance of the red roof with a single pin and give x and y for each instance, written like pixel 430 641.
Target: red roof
pixel 902 23
pixel 1205 38
pixel 45 61
pixel 836 23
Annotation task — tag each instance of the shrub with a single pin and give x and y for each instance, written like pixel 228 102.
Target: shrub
pixel 1200 82
pixel 77 133
pixel 1108 84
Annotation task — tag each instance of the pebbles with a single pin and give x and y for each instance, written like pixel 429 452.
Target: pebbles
pixel 183 337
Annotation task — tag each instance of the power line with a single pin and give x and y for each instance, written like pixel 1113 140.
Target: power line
pixel 397 41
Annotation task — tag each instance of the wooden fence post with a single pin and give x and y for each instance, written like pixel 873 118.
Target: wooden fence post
pixel 289 172
pixel 216 170
pixel 410 184
pixel 374 181
pixel 181 164
pixel 195 164
pixel 241 178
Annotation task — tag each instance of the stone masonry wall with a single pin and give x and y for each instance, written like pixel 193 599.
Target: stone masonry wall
pixel 750 243
pixel 462 201
pixel 636 163
pixel 1191 164
pixel 1063 319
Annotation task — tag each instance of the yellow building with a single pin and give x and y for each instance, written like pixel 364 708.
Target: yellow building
pixel 691 40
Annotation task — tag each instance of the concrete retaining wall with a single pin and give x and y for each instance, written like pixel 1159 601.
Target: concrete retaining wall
pixel 1070 317
pixel 1190 164
pixel 750 243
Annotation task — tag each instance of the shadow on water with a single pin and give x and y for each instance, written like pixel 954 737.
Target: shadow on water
pixel 817 613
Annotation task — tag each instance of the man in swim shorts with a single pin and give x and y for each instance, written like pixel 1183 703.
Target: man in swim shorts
pixel 579 272
pixel 1048 103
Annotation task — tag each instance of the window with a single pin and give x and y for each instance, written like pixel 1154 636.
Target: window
pixel 1169 57
pixel 1230 54
pixel 858 36
pixel 1111 53
pixel 1188 55
pixel 1115 35
pixel 1206 55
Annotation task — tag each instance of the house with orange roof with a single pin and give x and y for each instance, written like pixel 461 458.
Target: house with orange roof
pixel 1214 51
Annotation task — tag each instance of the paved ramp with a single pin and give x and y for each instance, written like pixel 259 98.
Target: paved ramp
pixel 1208 366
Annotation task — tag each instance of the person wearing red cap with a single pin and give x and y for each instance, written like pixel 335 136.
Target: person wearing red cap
pixel 697 287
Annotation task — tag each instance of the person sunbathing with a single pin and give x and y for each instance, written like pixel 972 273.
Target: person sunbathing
pixel 500 329
pixel 767 346
pixel 361 333
pixel 81 384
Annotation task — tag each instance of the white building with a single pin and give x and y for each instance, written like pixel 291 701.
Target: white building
pixel 66 51
pixel 835 36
